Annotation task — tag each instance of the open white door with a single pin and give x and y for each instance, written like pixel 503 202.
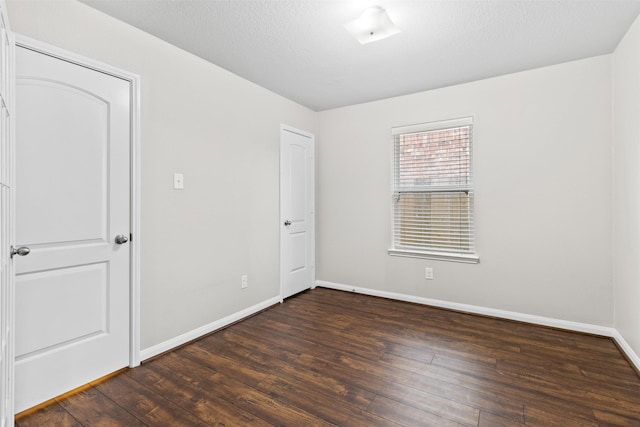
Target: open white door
pixel 297 200
pixel 6 219
pixel 73 172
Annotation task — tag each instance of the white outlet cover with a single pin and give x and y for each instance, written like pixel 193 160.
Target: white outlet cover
pixel 428 273
pixel 178 181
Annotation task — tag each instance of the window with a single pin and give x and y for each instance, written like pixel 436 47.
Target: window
pixel 433 191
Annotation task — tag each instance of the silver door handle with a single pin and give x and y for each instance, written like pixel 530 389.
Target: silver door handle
pixel 287 223
pixel 121 239
pixel 22 251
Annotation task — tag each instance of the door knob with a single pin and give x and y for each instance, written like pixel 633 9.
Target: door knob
pixel 287 223
pixel 22 251
pixel 121 239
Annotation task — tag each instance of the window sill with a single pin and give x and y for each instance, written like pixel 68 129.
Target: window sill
pixel 441 256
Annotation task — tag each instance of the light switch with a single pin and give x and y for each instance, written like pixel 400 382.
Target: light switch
pixel 178 181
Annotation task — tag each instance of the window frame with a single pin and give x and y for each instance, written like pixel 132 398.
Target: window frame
pixel 442 255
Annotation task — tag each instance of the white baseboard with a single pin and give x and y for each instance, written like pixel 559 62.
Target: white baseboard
pixel 157 349
pixel 475 309
pixel 467 308
pixel 503 314
pixel 626 348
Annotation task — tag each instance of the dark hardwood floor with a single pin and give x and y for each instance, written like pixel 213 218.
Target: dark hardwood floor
pixel 334 358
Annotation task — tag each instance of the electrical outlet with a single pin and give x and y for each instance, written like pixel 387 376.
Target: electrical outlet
pixel 244 281
pixel 178 181
pixel 428 273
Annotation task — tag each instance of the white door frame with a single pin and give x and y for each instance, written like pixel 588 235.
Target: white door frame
pixel 134 81
pixel 7 305
pixel 286 128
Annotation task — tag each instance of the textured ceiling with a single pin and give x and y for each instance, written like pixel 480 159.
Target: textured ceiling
pixel 299 49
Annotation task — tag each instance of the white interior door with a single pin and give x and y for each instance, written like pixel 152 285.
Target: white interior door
pixel 297 238
pixel 73 212
pixel 6 220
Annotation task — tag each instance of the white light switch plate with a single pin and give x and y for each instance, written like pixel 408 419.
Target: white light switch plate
pixel 178 181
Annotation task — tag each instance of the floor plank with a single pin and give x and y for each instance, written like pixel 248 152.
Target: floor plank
pixel 53 414
pixel 327 358
pixel 407 415
pixel 193 396
pixel 144 404
pixel 92 408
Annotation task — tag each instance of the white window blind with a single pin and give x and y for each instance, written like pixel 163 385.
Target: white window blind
pixel 432 189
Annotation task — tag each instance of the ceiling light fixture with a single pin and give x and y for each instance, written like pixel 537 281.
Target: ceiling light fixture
pixel 374 24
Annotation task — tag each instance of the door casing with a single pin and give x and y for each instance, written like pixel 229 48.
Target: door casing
pixel 134 85
pixel 7 216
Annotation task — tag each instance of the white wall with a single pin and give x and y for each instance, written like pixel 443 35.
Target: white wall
pixel 543 193
pixel 626 186
pixel 222 132
pixel 542 172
